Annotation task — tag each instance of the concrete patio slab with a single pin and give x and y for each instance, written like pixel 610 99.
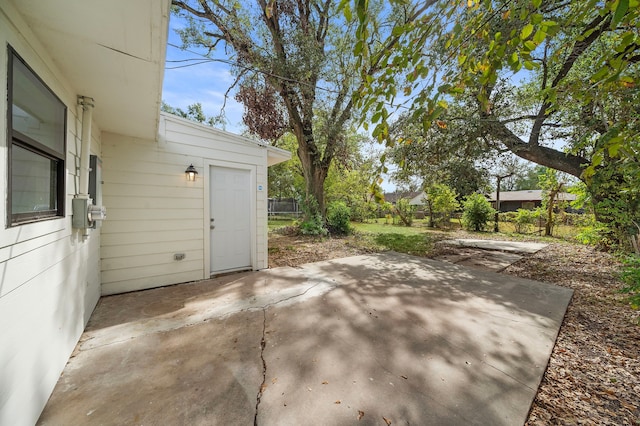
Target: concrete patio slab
pixel 509 246
pixel 360 340
pixel 488 260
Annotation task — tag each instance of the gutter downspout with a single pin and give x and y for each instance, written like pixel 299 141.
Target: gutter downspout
pixel 85 147
pixel 81 200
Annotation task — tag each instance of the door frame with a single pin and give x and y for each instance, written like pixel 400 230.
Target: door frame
pixel 252 168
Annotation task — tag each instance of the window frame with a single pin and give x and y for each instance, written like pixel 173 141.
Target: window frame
pixel 19 139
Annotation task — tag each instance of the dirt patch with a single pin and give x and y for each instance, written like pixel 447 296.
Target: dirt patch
pixel 593 375
pixel 297 250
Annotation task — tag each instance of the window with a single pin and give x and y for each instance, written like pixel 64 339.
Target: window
pixel 37 148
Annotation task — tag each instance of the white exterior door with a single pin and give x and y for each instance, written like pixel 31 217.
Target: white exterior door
pixel 230 221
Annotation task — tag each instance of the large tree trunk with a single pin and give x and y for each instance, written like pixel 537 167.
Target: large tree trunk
pixel 314 177
pixel 314 169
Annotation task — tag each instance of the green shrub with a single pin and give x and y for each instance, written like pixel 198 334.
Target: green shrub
pixel 338 218
pixel 592 235
pixel 312 223
pixel 579 219
pixel 631 277
pixel 364 211
pixel 442 202
pixel 524 220
pixel 477 212
pixel 507 217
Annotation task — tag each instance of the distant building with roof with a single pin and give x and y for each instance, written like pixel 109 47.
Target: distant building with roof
pixel 528 199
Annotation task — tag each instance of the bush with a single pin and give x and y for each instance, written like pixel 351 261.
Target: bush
pixel 364 211
pixel 507 217
pixel 442 202
pixel 631 277
pixel 312 224
pixel 477 212
pixel 592 235
pixel 338 218
pixel 524 220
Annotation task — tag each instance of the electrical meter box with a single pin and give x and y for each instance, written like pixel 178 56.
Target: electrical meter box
pixel 89 212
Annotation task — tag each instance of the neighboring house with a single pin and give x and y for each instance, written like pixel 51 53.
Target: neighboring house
pixel 528 199
pixel 80 84
pixel 393 197
pixel 419 200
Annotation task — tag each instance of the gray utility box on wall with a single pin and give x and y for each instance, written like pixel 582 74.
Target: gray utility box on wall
pixel 89 212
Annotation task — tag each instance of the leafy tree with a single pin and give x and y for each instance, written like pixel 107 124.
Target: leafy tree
pixel 194 113
pixel 477 212
pixel 295 70
pixel 438 154
pixel 285 179
pixel 405 211
pixel 551 185
pixel 580 63
pixel 442 202
pixel 527 178
pixel 355 182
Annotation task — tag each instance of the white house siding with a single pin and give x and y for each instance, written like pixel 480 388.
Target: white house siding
pixel 154 212
pixel 49 273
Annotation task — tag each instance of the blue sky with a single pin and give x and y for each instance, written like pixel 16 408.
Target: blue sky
pixel 205 83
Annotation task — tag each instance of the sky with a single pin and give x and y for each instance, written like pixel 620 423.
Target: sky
pixel 205 82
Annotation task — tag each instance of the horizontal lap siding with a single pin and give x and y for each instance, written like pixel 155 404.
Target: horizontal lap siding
pixel 49 273
pixel 153 212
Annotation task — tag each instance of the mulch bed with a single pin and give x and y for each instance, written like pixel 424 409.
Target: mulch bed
pixel 593 376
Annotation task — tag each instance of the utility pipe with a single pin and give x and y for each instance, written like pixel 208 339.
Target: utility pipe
pixel 85 146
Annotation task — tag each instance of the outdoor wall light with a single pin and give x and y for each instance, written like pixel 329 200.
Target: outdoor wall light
pixel 191 173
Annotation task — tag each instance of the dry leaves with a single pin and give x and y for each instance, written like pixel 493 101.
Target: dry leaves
pixel 593 375
pixel 294 251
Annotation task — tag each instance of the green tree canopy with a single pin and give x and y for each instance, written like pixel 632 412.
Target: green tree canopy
pixel 295 69
pixel 555 82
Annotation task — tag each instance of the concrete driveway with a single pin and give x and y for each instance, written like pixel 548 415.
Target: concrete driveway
pixel 367 340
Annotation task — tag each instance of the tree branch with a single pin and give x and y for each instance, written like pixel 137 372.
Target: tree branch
pixel 597 26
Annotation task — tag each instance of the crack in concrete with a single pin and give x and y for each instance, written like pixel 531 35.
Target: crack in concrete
pixel 263 344
pixel 304 293
pixel 123 332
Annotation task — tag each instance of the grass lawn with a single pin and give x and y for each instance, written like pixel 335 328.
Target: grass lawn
pixel 415 240
pixel 279 223
pixel 419 238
